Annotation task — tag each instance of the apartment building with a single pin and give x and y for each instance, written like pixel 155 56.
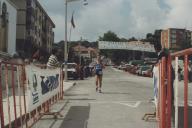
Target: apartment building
pixel 34 28
pixel 8 17
pixel 176 39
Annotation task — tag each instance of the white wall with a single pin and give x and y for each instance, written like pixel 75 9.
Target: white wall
pixel 12 11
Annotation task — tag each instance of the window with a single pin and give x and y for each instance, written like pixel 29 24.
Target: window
pixel 173 31
pixel 35 29
pixel 173 36
pixel 173 41
pixel 39 19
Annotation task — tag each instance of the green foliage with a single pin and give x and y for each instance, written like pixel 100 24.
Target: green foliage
pixel 132 39
pixel 109 36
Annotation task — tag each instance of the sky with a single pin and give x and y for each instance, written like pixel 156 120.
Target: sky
pixel 126 18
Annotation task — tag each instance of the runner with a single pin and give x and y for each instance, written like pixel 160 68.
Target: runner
pixel 99 74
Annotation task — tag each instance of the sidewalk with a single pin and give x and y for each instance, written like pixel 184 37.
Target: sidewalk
pixel 47 121
pixel 68 85
pixel 54 108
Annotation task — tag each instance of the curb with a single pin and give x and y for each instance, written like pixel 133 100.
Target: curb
pixel 69 85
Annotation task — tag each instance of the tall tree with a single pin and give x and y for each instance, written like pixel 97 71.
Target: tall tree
pixel 109 36
pixel 132 39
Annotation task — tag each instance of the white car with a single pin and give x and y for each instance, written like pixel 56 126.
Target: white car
pixel 72 71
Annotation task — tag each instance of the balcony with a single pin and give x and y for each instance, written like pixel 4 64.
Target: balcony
pixel 31 12
pixel 29 3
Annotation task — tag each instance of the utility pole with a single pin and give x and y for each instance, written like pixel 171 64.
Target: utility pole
pixel 65 46
pixel 80 51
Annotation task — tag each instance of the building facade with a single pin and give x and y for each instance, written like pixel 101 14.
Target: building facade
pixel 34 28
pixel 176 39
pixel 84 52
pixel 8 18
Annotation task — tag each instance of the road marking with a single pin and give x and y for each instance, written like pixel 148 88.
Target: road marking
pixel 132 104
pixel 117 70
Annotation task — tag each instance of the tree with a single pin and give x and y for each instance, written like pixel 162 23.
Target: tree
pixel 150 38
pixel 123 40
pixel 132 39
pixel 109 36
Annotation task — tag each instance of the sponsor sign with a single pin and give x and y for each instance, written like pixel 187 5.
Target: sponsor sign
pixel 43 84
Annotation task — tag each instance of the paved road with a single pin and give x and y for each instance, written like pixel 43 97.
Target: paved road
pixel 122 103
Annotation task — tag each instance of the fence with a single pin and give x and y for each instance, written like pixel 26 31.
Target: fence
pixel 169 100
pixel 15 97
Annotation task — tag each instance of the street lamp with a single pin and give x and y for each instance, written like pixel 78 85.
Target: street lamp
pixel 65 46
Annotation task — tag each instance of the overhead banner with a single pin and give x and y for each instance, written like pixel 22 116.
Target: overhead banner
pixel 133 45
pixel 43 84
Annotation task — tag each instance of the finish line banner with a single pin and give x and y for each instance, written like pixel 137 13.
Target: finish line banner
pixel 133 45
pixel 43 84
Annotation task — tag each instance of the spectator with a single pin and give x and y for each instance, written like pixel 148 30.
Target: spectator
pixel 82 72
pixel 53 61
pixel 36 56
pixel 180 76
pixel 164 53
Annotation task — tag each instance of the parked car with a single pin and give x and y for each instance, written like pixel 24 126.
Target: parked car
pixel 72 71
pixel 134 69
pixel 147 73
pixel 143 70
pixel 128 67
pixel 121 67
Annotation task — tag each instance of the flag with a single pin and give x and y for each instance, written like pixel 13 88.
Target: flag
pixel 72 21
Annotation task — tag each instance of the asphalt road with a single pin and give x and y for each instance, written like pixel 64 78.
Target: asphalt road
pixel 123 102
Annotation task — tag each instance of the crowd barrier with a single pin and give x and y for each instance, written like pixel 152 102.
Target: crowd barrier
pixel 168 115
pixel 19 105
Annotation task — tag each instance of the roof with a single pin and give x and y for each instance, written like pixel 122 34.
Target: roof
pixel 83 48
pixel 80 48
pixel 91 49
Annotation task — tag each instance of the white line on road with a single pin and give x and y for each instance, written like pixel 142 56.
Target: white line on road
pixel 132 104
pixel 117 70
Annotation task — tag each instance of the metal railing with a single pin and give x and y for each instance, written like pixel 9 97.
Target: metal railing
pixel 13 98
pixel 168 92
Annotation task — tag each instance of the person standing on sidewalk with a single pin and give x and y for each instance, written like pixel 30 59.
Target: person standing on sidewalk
pixel 99 74
pixel 53 61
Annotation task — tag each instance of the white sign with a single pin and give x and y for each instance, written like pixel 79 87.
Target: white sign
pixel 156 84
pixel 133 45
pixel 43 84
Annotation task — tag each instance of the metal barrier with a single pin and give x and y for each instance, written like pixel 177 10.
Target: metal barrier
pixel 167 102
pixel 13 97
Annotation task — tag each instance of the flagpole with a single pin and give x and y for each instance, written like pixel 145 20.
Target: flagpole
pixel 65 46
pixel 70 33
pixel 65 49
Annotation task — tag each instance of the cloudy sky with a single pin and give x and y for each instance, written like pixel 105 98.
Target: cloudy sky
pixel 126 18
